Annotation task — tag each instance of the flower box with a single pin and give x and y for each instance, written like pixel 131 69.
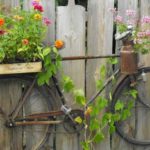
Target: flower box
pixel 17 68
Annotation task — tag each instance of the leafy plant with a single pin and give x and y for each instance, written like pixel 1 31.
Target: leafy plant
pixel 21 40
pixel 96 117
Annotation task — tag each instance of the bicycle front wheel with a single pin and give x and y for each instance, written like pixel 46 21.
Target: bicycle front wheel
pixel 134 129
pixel 31 137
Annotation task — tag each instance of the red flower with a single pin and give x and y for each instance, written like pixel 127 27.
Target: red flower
pixel 38 7
pixel 2 32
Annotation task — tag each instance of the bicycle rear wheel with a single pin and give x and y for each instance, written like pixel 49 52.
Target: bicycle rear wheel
pixel 131 128
pixel 40 100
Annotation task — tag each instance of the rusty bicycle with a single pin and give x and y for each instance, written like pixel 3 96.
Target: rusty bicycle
pixel 36 111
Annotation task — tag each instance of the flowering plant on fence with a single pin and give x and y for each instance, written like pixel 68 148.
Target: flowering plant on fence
pixel 21 39
pixel 140 29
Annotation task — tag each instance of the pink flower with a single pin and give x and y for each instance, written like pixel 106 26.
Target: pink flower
pixel 141 34
pixel 131 22
pixel 147 32
pixel 131 13
pixel 46 21
pixel 35 3
pixel 113 10
pixel 145 19
pixel 118 19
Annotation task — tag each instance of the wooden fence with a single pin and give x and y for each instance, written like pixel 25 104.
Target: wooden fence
pixel 84 33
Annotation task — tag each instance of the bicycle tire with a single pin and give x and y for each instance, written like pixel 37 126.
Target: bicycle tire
pixel 125 83
pixel 40 100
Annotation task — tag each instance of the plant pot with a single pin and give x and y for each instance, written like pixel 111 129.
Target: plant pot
pixel 129 60
pixel 17 68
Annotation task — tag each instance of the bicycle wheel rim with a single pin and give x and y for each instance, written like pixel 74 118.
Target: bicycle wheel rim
pixel 119 89
pixel 49 106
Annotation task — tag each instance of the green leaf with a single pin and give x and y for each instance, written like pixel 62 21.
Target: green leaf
pixel 98 137
pixel 68 84
pixel 85 145
pixel 79 97
pixel 41 56
pixel 130 104
pixel 46 51
pixel 102 102
pixel 20 50
pixel 107 118
pixel 102 72
pixel 122 28
pixel 53 68
pixel 95 111
pixel 55 50
pixel 113 61
pixel 133 93
pixel 99 84
pixel 125 114
pixel 78 120
pixel 112 128
pixel 94 124
pixel 41 78
pixel 119 105
pixel 2 55
pixel 47 61
pixel 116 117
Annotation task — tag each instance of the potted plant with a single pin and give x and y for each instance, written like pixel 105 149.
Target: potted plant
pixel 21 43
pixel 135 34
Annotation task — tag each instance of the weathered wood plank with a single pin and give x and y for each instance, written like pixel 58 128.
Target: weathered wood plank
pixel 10 3
pixel 10 92
pixel 72 32
pixel 9 96
pixel 117 142
pixel 100 33
pixel 50 13
pixel 20 68
pixel 27 4
pixel 143 119
pixel 33 136
pixel 71 29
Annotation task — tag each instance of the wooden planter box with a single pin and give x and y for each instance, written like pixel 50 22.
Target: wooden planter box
pixel 17 68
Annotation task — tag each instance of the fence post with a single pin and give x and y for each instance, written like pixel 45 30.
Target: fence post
pixel 100 33
pixel 71 29
pixel 143 119
pixel 117 142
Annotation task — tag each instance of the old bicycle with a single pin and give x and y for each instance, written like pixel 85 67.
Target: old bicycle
pixel 40 114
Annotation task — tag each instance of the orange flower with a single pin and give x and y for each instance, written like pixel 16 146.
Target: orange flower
pixel 2 21
pixel 25 42
pixel 88 111
pixel 59 44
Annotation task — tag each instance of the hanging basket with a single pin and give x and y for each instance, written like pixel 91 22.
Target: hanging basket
pixel 17 68
pixel 129 60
